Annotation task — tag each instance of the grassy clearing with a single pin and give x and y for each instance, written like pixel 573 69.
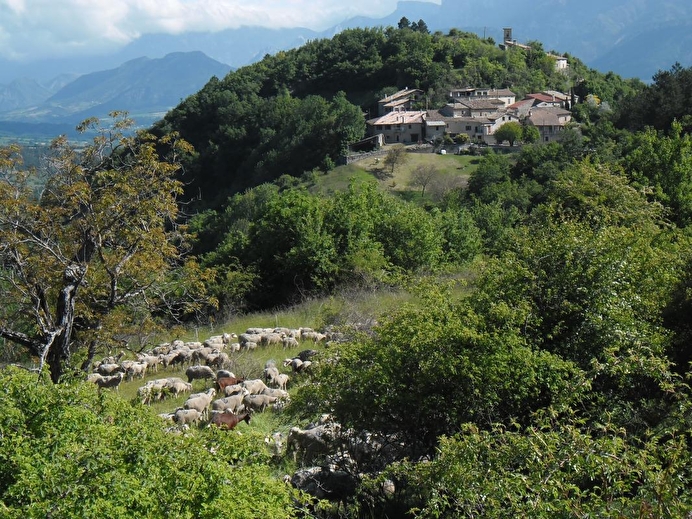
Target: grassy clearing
pixel 346 307
pixel 451 171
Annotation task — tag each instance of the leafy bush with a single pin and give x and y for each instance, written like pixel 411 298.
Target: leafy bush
pixel 70 451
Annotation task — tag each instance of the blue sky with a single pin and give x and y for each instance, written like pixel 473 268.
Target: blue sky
pixel 37 29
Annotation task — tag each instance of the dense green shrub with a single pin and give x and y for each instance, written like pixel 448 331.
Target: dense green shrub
pixel 70 451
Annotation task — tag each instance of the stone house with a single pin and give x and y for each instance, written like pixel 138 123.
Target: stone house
pixel 503 94
pixel 405 127
pixel 550 121
pixel 401 101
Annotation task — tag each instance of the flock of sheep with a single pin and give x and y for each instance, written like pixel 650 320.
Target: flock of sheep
pixel 234 397
pixel 231 400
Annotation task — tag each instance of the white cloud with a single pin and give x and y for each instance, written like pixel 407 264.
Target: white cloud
pixel 32 29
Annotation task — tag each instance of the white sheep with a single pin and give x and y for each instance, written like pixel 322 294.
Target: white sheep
pixel 152 390
pixel 233 389
pixel 232 403
pixel 270 338
pixel 136 368
pixel 108 369
pixel 187 416
pixel 290 342
pixel 281 394
pixel 176 387
pixel 112 381
pixel 281 381
pixel 254 386
pixel 152 361
pixel 258 402
pixel 249 345
pixel 200 401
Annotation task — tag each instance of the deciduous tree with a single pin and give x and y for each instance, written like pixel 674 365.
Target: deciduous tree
pixel 511 132
pixel 100 239
pixel 396 156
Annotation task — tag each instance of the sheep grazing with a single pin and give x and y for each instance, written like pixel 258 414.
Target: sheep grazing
pixel 282 381
pixel 250 337
pixel 152 390
pixel 200 401
pixel 112 381
pixel 270 373
pixel 176 387
pixel 290 342
pixel 271 338
pixel 152 361
pixel 258 402
pixel 223 382
pixel 254 386
pixel 108 369
pixel 234 403
pixel 133 369
pixel 249 345
pixel 218 360
pixel 278 393
pixel 229 420
pixel 233 389
pixel 199 372
pixel 298 365
pixel 187 416
pixel 93 377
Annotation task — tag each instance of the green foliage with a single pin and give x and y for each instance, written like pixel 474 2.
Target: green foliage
pixel 278 246
pixel 97 258
pixel 551 471
pixel 287 114
pixel 395 157
pixel 511 132
pixel 70 451
pixel 662 164
pixel 659 104
pixel 435 366
pixel 529 134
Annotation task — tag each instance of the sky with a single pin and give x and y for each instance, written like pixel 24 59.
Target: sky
pixel 39 29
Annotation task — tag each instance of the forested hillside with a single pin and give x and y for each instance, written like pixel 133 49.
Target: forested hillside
pixel 538 368
pixel 297 111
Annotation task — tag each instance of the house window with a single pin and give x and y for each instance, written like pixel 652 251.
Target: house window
pixel 388 127
pixel 409 126
pixel 468 128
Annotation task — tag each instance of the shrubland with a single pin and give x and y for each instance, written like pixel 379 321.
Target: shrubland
pixel 527 348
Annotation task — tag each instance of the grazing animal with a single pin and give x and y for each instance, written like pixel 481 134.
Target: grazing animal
pixel 228 420
pixel 254 386
pixel 197 372
pixel 110 381
pixel 258 402
pixel 186 416
pixel 223 382
pixel 233 403
pixel 200 401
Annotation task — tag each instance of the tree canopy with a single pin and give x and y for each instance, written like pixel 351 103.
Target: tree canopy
pixel 98 250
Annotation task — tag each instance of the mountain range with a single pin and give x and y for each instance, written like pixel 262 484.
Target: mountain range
pixel 633 38
pixel 145 87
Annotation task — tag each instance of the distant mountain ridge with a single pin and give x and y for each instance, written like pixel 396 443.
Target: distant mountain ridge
pixel 633 39
pixel 141 85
